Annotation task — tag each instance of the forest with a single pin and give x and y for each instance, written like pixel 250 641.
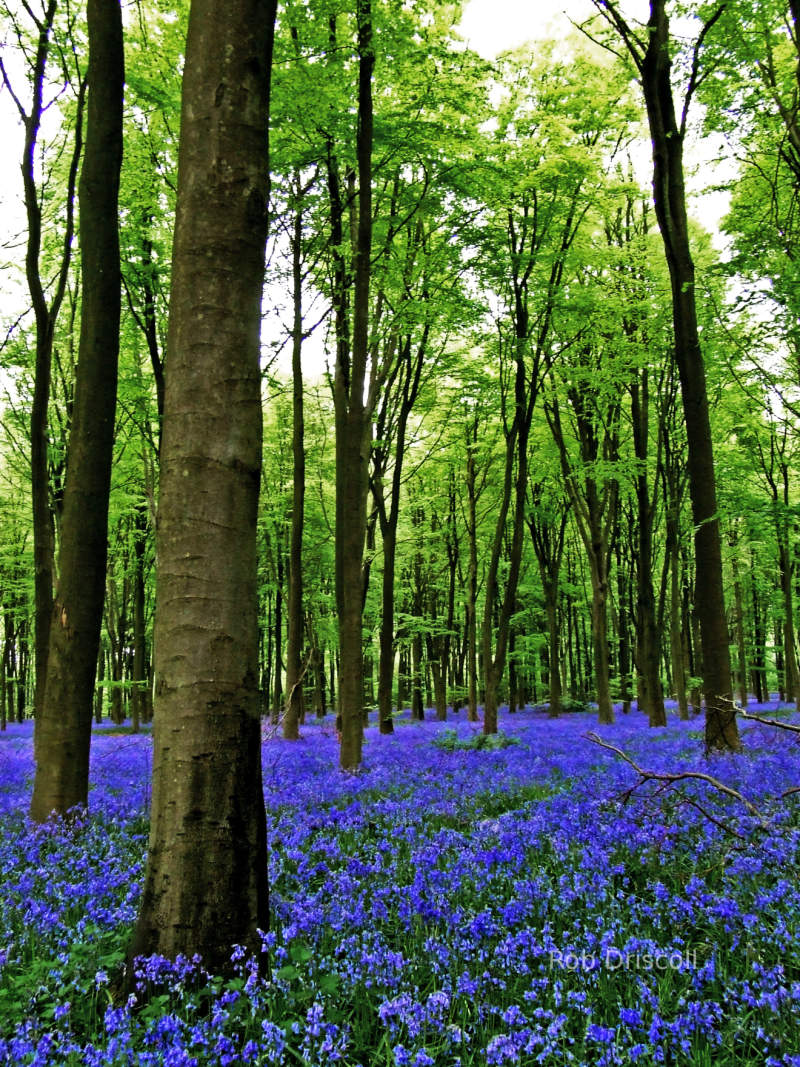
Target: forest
pixel 399 535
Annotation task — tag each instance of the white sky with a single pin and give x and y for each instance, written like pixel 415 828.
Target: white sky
pixel 491 26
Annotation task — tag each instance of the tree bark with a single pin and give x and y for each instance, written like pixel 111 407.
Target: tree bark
pixel 471 605
pixel 648 644
pixel 64 720
pixel 45 315
pixel 205 887
pixel 721 731
pixel 294 608
pixel 354 428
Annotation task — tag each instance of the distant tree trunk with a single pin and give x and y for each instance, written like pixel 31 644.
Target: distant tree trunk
pixel 547 534
pixel 205 887
pixel 648 644
pixel 594 509
pixel 64 720
pixel 623 636
pixel 3 674
pixel 759 670
pixel 417 707
pixel 677 650
pixel 494 659
pixel 140 673
pixel 317 667
pixel 785 570
pixel 409 370
pixel 98 695
pixel 116 627
pixel 294 611
pixel 403 676
pixel 277 683
pixel 471 605
pixel 739 622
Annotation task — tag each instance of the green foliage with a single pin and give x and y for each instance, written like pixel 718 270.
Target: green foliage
pixel 450 741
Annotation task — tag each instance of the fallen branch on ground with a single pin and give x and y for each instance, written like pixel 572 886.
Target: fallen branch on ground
pixel 679 776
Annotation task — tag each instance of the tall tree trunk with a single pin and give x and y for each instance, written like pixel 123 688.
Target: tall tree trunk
pixel 595 515
pixel 600 652
pixel 740 641
pixel 277 685
pixel 354 428
pixel 760 686
pixel 471 605
pixel 294 608
pixel 721 731
pixel 547 533
pixel 648 644
pixel 64 720
pixel 494 661
pixel 45 315
pixel 677 650
pixel 140 673
pixel 205 887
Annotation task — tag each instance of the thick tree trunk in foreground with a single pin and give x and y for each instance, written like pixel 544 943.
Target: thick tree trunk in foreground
pixel 206 883
pixel 64 720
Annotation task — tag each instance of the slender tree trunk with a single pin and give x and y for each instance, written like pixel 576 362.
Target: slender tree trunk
pixel 675 628
pixel 602 673
pixel 98 695
pixel 140 673
pixel 277 690
pixel 205 887
pixel 417 708
pixel 64 721
pixel 494 661
pixel 785 570
pixel 471 605
pixel 623 636
pixel 740 641
pixel 648 643
pixel 294 612
pixel 354 428
pixel 760 686
pixel 45 316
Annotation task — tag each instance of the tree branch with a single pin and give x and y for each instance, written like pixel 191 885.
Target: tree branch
pixel 680 776
pixel 695 78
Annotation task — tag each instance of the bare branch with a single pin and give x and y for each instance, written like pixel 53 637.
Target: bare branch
pixel 636 47
pixel 680 776
pixel 695 78
pixel 20 107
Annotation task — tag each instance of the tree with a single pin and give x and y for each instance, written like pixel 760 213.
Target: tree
pixel 63 723
pixel 206 880
pixel 353 415
pixel 46 302
pixel 651 57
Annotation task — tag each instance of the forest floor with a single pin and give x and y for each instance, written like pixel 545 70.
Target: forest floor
pixel 449 905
